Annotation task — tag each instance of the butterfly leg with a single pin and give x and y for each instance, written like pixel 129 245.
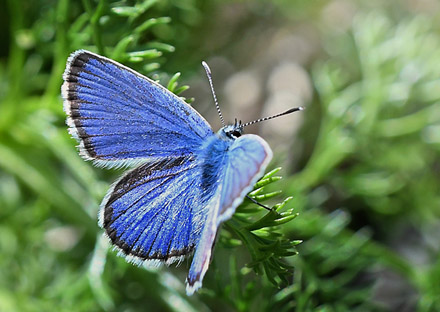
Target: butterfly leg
pixel 259 204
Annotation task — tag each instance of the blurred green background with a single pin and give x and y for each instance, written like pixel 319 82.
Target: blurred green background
pixel 362 162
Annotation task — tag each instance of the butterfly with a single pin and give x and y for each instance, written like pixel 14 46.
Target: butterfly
pixel 185 179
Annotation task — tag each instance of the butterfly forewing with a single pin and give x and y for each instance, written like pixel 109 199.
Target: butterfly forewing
pixel 118 115
pixel 247 159
pixel 240 164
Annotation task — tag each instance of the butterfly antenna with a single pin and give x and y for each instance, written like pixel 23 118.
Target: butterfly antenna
pixel 208 73
pixel 292 110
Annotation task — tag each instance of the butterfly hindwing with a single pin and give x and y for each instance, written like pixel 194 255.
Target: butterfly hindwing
pixel 157 211
pixel 119 116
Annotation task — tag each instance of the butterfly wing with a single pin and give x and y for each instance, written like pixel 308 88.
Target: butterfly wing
pixel 119 116
pixel 240 165
pixel 157 210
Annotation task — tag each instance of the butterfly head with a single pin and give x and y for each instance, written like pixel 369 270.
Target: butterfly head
pixel 233 131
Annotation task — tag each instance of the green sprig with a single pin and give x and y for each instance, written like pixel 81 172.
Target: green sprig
pixel 268 247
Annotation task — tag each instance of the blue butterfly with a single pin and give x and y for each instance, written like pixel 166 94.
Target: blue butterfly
pixel 187 179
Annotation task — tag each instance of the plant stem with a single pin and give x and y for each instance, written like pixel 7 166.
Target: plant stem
pixel 95 15
pixel 61 49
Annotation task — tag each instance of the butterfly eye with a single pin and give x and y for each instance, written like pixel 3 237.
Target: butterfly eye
pixel 234 134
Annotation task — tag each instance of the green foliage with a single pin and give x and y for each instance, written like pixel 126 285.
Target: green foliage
pixel 371 161
pixel 267 247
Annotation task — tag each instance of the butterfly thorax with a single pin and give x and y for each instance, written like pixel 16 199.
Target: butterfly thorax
pixel 213 154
